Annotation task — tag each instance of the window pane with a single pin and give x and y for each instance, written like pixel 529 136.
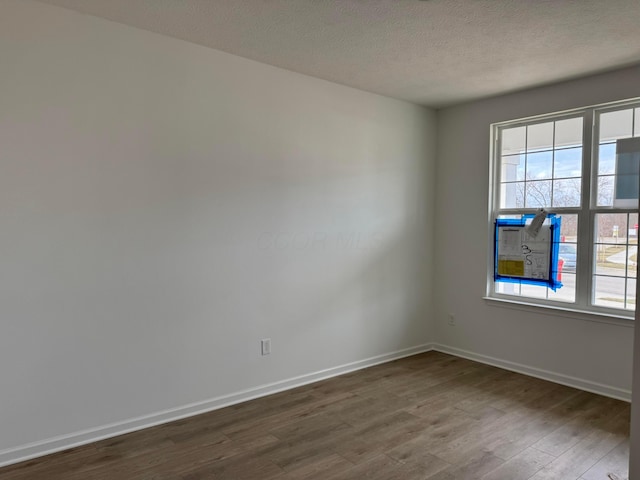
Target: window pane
pixel 633 229
pixel 513 140
pixel 540 136
pixel 611 228
pixel 610 260
pixel 512 195
pixel 508 288
pixel 632 240
pixel 512 168
pixel 568 291
pixel 605 190
pixel 631 294
pixel 538 194
pixel 567 163
pixel 607 159
pixel 539 166
pixel 566 193
pixel 612 257
pixel 569 228
pixel 534 291
pixel 614 125
pixel 608 291
pixel 568 253
pixel 568 133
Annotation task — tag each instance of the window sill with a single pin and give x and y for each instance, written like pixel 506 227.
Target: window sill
pixel 552 310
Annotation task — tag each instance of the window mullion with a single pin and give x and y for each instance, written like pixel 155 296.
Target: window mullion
pixel 584 268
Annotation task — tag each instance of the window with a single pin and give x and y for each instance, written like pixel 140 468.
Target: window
pixel 570 164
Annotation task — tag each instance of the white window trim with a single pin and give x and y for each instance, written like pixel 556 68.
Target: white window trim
pixel 559 311
pixel 581 309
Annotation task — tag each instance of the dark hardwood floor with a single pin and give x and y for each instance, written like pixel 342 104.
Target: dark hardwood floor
pixel 427 417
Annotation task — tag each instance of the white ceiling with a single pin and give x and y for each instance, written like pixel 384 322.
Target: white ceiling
pixel 435 52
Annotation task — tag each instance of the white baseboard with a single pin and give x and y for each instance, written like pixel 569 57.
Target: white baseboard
pixel 64 442
pixel 579 383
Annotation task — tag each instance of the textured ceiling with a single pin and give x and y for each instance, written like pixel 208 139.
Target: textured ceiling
pixel 435 52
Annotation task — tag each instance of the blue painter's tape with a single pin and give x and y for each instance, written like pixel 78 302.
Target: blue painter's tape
pixel 554 225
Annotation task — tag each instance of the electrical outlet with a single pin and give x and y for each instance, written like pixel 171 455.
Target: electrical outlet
pixel 451 320
pixel 265 345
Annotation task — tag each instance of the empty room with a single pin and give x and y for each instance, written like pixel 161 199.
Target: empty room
pixel 319 239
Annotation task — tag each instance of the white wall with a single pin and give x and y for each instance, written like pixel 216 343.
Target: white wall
pixel 164 206
pixel 593 355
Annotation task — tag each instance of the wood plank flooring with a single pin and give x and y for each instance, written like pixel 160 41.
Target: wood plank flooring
pixel 428 417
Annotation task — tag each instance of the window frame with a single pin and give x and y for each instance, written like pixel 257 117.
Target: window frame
pixel 586 212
